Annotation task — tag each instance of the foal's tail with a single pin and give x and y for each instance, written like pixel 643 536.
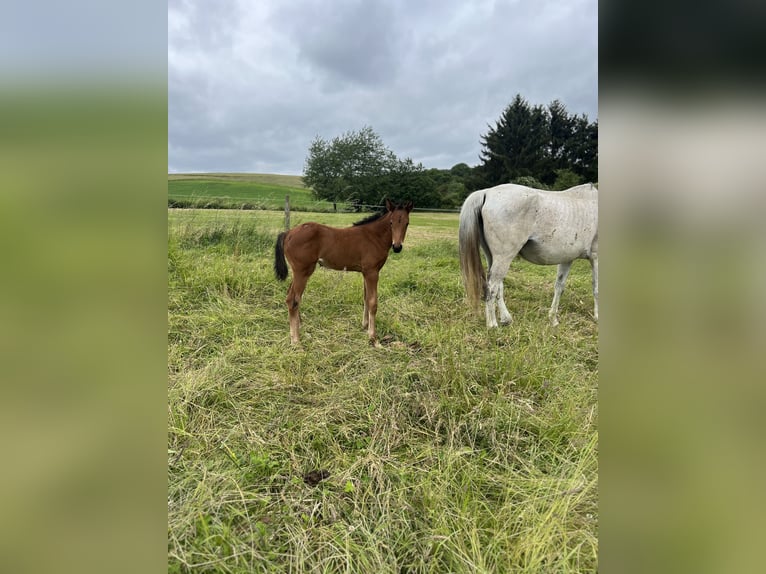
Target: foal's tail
pixel 470 238
pixel 280 265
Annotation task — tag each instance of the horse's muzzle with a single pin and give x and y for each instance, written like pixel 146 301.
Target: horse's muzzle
pixel 397 249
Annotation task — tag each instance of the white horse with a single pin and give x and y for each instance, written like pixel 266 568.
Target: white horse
pixel 544 227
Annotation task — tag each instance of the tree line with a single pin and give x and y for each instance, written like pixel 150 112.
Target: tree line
pixel 543 147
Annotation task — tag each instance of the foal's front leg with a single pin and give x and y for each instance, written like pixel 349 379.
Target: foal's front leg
pixel 365 315
pixel 371 303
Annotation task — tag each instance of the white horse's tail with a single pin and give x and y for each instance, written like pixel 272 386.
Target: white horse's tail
pixel 470 239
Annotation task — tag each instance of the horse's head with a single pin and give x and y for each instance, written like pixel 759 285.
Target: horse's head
pixel 400 219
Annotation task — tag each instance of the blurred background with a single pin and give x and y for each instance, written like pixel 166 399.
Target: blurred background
pixel 682 150
pixel 82 308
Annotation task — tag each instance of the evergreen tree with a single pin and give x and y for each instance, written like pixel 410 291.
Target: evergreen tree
pixel 536 144
pixel 582 149
pixel 561 131
pixel 506 153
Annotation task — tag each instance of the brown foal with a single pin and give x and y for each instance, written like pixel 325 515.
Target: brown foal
pixel 362 247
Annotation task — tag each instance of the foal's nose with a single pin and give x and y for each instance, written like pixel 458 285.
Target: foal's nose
pixel 397 248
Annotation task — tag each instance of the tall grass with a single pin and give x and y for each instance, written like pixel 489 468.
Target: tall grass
pixel 449 449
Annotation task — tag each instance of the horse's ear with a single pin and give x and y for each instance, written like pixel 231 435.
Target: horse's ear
pixel 389 206
pixel 408 206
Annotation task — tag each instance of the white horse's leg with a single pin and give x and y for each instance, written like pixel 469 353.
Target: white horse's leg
pixel 495 278
pixel 505 315
pixel 561 280
pixel 594 269
pixel 489 308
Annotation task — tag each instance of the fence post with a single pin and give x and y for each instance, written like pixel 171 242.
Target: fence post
pixel 287 213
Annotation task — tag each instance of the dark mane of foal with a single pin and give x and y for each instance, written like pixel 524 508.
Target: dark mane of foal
pixel 378 215
pixel 371 218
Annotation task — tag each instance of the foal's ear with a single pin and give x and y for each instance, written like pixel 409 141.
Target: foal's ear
pixel 389 206
pixel 408 206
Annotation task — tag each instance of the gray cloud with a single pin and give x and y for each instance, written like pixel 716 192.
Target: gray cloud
pixel 251 84
pixel 350 41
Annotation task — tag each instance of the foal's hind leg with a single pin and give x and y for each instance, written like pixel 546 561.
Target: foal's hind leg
pixel 561 280
pixel 293 301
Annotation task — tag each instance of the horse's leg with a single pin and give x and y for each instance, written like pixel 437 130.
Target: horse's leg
pixel 292 312
pixel 365 315
pixel 594 270
pixel 371 303
pixel 561 279
pixel 505 315
pixel 294 295
pixel 495 276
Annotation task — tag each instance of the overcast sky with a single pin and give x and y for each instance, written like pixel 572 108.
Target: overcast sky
pixel 252 83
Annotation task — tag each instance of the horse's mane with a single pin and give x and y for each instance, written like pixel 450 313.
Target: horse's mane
pixel 371 218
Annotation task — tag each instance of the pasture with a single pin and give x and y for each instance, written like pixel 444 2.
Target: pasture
pixel 241 191
pixel 449 449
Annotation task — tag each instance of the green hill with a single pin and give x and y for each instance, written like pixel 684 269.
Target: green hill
pixel 265 178
pixel 241 191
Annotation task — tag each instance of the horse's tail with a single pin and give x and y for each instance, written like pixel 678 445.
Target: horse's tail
pixel 280 265
pixel 470 239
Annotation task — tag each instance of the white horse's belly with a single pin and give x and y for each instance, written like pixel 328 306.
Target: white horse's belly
pixel 552 253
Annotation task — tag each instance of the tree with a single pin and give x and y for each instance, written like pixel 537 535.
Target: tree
pixel 357 166
pixel 565 179
pixel 451 195
pixel 583 149
pixel 516 146
pixel 348 166
pixel 409 181
pixel 561 131
pixel 461 170
pixel 538 143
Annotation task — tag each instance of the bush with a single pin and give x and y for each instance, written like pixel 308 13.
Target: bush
pixel 565 179
pixel 530 181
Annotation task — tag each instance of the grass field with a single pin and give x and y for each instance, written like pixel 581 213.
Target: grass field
pixel 241 191
pixel 449 449
pixel 295 181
